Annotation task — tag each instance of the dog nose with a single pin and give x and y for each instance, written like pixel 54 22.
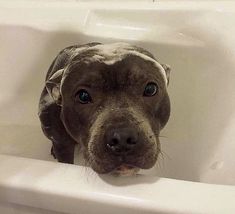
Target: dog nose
pixel 122 141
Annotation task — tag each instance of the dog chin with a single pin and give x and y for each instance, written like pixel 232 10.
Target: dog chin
pixel 125 170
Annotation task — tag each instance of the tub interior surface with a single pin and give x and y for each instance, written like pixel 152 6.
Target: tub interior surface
pixel 198 142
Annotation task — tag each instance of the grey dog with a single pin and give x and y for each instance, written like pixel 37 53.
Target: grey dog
pixel 112 100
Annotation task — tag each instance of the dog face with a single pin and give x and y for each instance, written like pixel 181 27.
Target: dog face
pixel 114 102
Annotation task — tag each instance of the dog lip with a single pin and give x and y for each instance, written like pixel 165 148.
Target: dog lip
pixel 125 170
pixel 124 167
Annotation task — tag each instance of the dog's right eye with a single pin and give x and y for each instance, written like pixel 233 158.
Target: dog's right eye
pixel 150 89
pixel 83 97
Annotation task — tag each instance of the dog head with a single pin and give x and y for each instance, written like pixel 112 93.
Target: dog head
pixel 114 102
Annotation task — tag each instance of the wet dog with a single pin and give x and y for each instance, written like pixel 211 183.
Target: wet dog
pixel 112 100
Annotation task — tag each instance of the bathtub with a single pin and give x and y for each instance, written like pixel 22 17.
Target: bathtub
pixel 195 174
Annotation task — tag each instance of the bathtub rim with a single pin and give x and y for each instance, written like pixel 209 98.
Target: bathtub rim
pixel 178 196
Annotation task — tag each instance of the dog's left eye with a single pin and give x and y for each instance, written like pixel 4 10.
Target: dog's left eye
pixel 83 96
pixel 150 89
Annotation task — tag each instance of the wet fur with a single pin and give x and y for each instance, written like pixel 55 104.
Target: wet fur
pixel 117 90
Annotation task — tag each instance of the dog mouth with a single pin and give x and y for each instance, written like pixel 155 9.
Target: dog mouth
pixel 125 170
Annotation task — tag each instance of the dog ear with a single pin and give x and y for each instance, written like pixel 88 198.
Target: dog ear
pixel 167 69
pixel 53 86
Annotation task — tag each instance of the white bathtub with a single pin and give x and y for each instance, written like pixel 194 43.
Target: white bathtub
pixel 196 173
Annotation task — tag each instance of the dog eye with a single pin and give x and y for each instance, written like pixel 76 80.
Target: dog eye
pixel 83 96
pixel 150 89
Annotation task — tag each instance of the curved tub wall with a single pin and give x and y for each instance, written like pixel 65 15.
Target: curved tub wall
pixel 195 38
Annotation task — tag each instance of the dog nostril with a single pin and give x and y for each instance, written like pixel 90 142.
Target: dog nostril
pixel 113 142
pixel 121 141
pixel 130 141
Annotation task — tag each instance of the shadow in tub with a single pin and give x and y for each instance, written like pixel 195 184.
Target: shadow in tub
pixel 195 98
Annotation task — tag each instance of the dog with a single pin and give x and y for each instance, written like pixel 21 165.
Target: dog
pixel 109 98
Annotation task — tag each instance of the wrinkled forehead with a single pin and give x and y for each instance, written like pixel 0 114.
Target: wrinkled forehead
pixel 117 63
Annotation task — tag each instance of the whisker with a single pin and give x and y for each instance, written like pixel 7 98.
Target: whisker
pixel 162 157
pixel 160 164
pixel 162 136
pixel 88 172
pixel 164 154
pixel 87 165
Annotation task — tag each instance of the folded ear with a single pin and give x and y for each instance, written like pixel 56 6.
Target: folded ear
pixel 53 86
pixel 167 69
